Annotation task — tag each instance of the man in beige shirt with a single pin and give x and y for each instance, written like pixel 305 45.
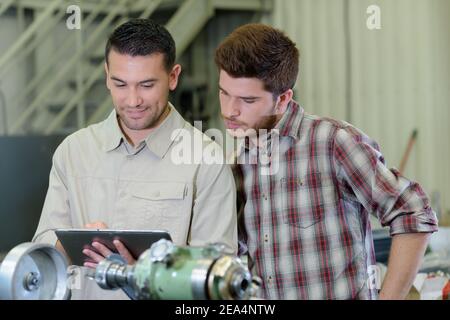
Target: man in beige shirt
pixel 121 173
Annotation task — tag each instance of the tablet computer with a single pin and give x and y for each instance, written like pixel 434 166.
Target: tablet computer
pixel 136 241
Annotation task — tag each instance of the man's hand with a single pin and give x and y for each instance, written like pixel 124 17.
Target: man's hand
pixel 101 251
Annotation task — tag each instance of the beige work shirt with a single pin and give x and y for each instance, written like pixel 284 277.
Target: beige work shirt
pixel 97 176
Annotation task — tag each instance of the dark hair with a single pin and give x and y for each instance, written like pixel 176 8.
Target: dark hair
pixel 142 37
pixel 260 51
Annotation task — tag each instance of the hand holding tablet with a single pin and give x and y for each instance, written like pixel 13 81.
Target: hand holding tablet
pixel 101 243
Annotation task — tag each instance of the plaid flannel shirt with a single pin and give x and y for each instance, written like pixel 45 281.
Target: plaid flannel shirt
pixel 305 226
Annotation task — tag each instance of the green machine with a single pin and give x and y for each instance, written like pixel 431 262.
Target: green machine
pixel 34 271
pixel 167 271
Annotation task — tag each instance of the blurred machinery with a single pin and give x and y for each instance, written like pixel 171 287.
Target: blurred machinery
pixel 32 271
pixel 165 271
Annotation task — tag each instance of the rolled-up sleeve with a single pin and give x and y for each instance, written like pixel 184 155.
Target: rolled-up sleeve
pixel 398 202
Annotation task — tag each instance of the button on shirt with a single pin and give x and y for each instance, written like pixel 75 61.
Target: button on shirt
pixel 98 176
pixel 305 225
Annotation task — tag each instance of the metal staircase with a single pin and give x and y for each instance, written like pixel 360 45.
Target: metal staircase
pixel 67 91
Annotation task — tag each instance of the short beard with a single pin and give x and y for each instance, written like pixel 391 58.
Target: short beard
pixel 267 123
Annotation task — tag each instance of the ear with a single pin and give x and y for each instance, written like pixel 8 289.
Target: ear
pixel 107 76
pixel 173 76
pixel 283 101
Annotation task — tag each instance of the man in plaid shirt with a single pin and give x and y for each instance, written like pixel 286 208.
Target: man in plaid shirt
pixel 309 183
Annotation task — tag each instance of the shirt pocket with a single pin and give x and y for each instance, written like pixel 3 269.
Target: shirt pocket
pixel 163 205
pixel 304 199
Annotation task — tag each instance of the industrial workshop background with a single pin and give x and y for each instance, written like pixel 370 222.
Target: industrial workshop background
pixel 390 82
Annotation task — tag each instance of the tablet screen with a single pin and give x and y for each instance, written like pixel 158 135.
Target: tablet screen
pixel 136 241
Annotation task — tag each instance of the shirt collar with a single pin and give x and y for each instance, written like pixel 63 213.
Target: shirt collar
pixel 161 139
pixel 158 141
pixel 289 125
pixel 114 135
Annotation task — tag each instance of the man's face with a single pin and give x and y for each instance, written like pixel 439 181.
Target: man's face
pixel 140 88
pixel 245 105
